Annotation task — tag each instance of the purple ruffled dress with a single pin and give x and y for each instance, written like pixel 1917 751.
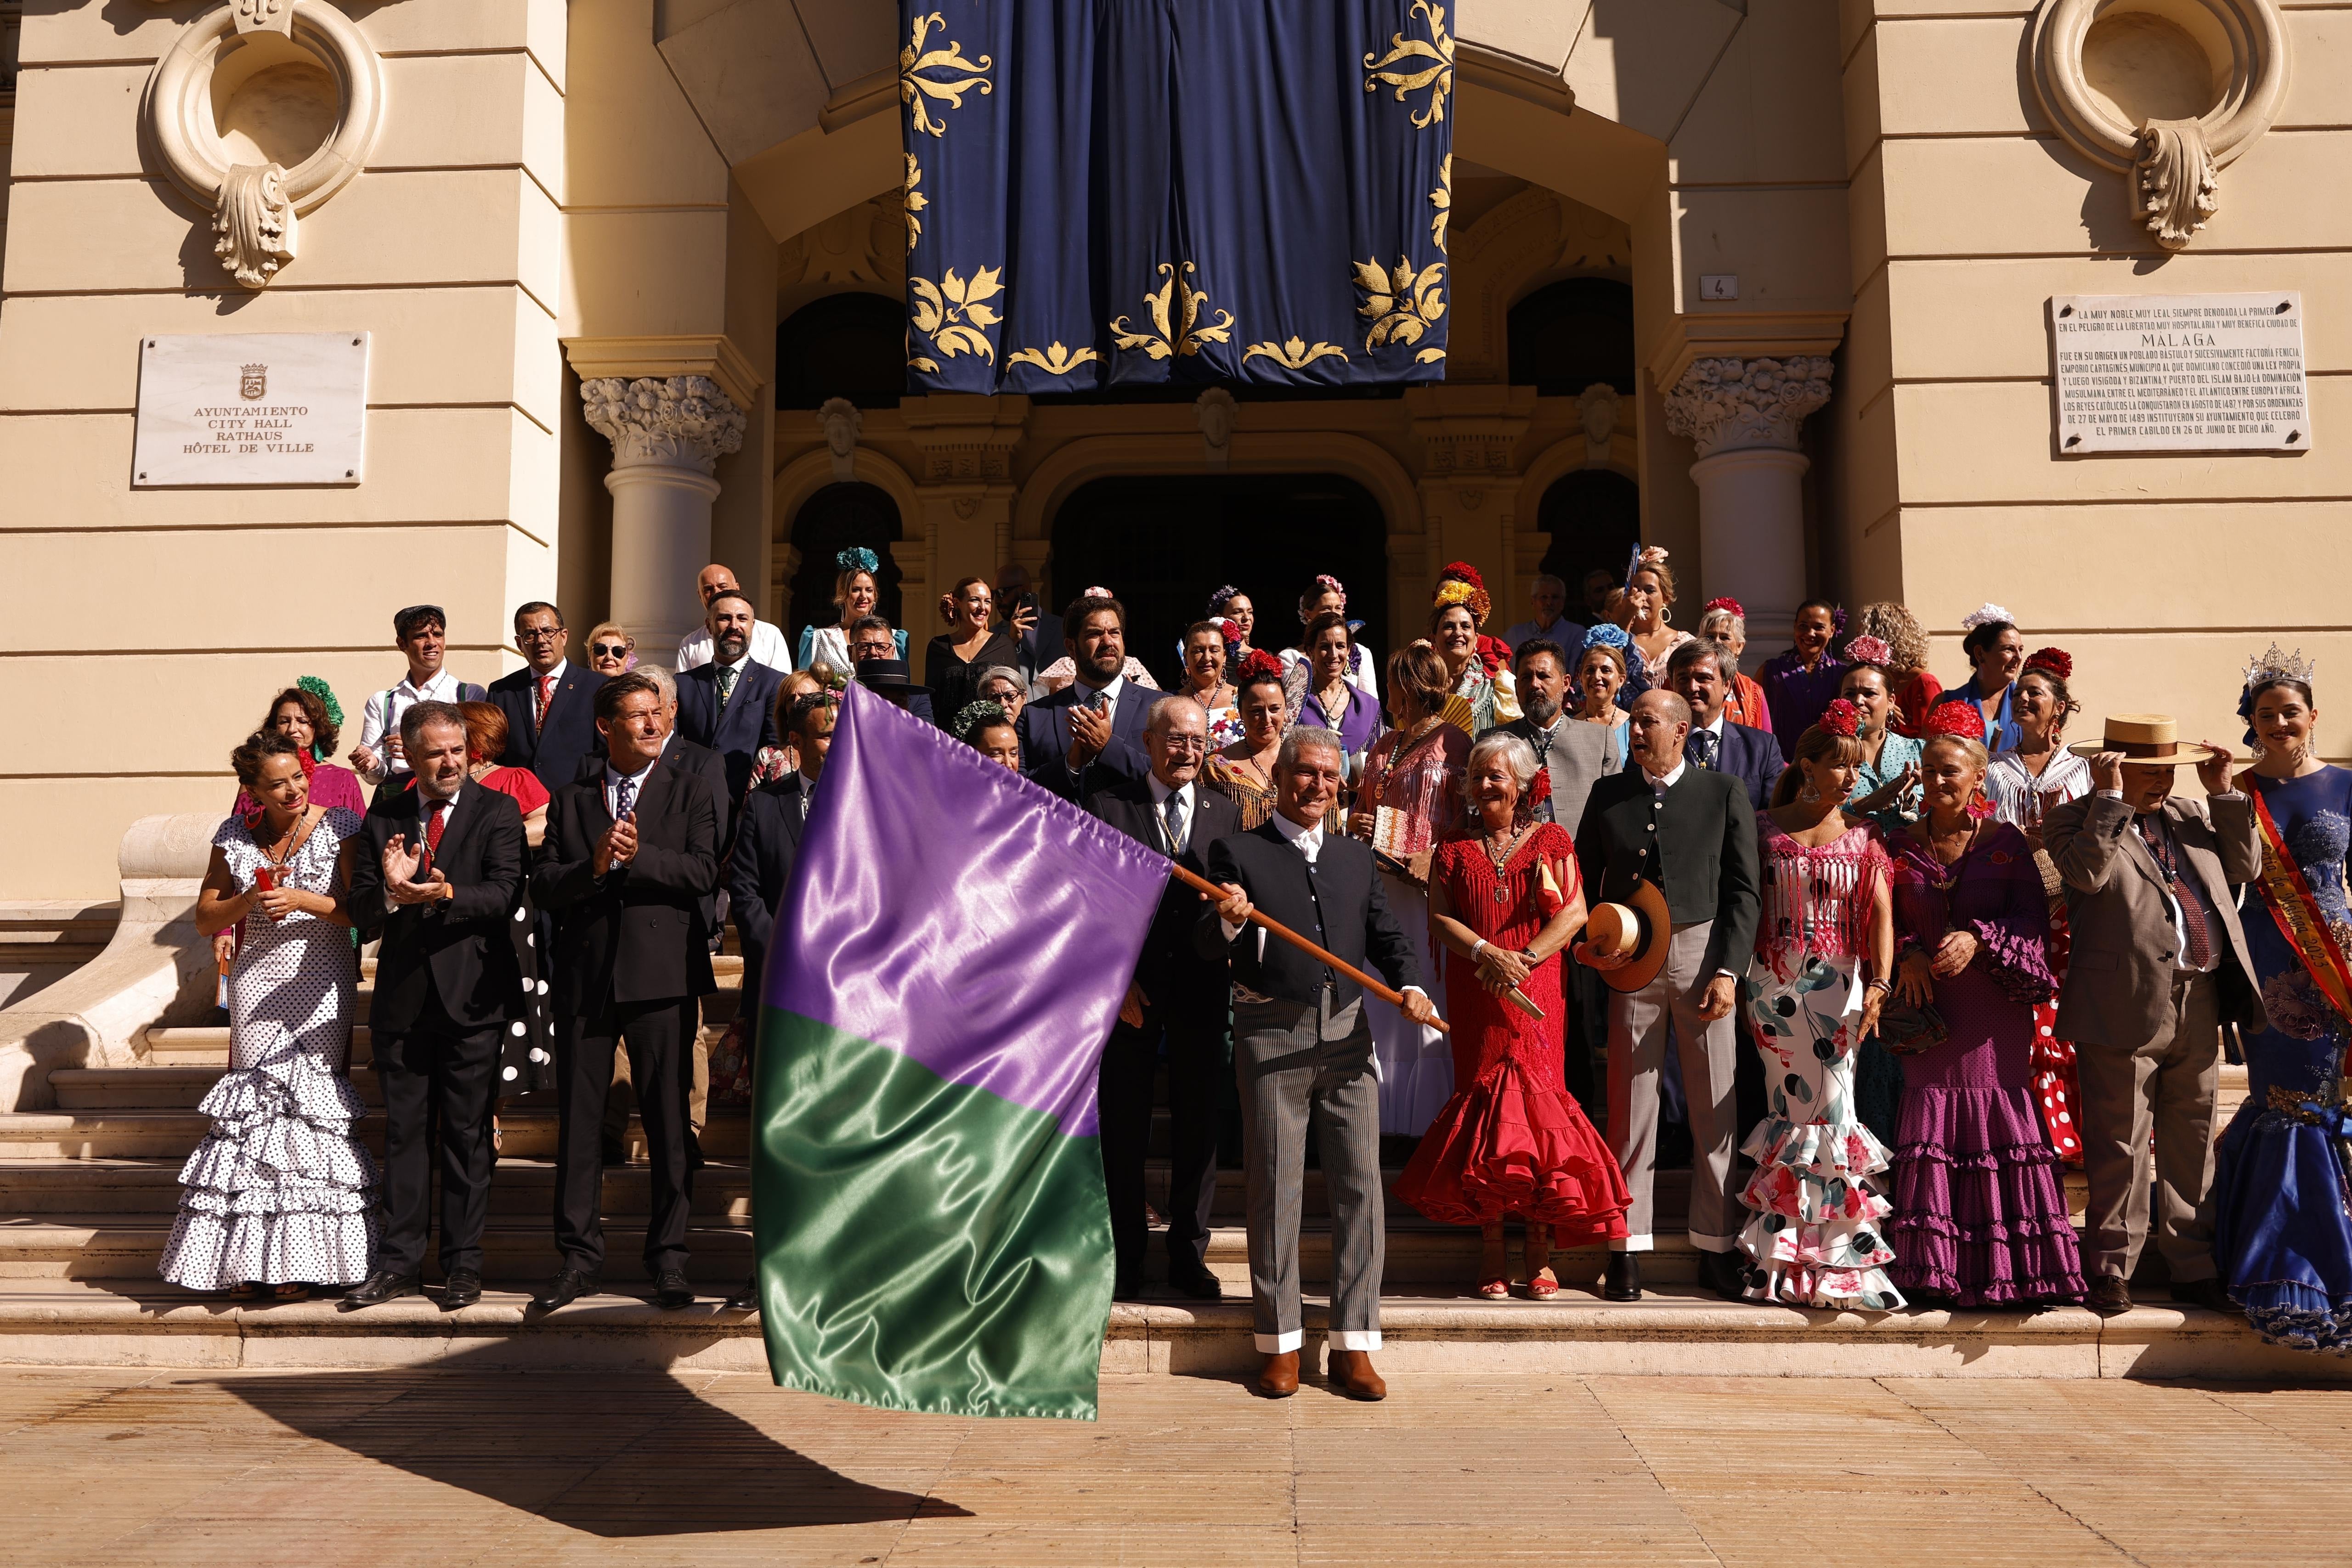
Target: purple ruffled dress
pixel 1980 1209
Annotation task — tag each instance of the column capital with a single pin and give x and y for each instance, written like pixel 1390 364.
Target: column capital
pixel 1724 404
pixel 670 422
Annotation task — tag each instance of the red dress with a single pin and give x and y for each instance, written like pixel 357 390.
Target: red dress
pixel 1511 1141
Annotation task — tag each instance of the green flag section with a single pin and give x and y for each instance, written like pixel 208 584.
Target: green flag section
pixel 924 1245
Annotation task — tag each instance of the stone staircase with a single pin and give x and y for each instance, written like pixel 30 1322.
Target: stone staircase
pixel 89 1188
pixel 44 940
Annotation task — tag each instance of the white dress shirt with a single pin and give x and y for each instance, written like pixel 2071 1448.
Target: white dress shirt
pixel 381 718
pixel 768 646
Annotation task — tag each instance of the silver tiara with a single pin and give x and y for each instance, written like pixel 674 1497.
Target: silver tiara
pixel 2273 666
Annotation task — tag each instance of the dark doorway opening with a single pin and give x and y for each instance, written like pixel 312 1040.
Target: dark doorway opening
pixel 1594 517
pixel 844 345
pixel 834 519
pixel 1162 541
pixel 1568 335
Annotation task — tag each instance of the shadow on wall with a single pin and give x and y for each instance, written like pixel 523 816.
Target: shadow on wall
pixel 610 1454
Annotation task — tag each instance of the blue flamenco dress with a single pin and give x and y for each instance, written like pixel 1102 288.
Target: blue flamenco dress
pixel 2283 1230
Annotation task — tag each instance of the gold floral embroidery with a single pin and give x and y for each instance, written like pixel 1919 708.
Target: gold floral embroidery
pixel 915 202
pixel 954 315
pixel 1440 199
pixel 1403 305
pixel 1400 68
pixel 1056 361
pixel 963 75
pixel 1295 355
pixel 1429 356
pixel 1176 307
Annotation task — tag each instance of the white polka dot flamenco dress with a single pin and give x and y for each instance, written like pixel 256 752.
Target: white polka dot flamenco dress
pixel 279 1191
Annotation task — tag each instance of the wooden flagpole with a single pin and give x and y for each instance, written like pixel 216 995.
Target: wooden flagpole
pixel 1216 894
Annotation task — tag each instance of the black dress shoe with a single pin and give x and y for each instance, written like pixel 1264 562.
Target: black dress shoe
pixel 2108 1295
pixel 1625 1281
pixel 1196 1282
pixel 379 1288
pixel 569 1287
pixel 671 1290
pixel 614 1151
pixel 1724 1273
pixel 2209 1294
pixel 463 1288
pixel 746 1300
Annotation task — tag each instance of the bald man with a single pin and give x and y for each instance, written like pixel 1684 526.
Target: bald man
pixel 768 646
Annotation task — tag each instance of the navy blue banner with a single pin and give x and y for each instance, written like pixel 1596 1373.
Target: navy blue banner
pixel 1105 192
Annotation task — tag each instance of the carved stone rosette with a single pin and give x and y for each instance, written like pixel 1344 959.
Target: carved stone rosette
pixel 673 421
pixel 1727 404
pixel 254 206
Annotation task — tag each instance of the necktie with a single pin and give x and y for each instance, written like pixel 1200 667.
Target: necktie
pixel 1172 810
pixel 544 693
pixel 1543 811
pixel 726 685
pixel 1702 749
pixel 436 817
pixel 2196 933
pixel 625 798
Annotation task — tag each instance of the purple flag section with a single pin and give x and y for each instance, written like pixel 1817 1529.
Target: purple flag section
pixel 947 908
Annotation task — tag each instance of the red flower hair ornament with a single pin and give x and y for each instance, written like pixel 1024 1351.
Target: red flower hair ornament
pixel 2050 661
pixel 1260 665
pixel 1959 720
pixel 1726 603
pixel 1868 650
pixel 1231 631
pixel 1840 718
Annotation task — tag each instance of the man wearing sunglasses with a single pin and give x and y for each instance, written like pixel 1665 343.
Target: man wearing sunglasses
pixel 421 633
pixel 549 702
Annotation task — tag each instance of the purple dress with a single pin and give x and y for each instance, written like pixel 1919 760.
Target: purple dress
pixel 1797 696
pixel 1979 1209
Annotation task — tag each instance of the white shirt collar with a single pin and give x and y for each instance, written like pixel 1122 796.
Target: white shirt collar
pixel 1159 792
pixel 1307 841
pixel 613 775
pixel 1670 780
pixel 1118 684
pixel 555 674
pixel 739 663
pixel 1716 728
pixel 443 681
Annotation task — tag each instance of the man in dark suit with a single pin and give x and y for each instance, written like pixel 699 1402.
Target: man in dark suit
pixel 439 868
pixel 2158 965
pixel 1700 672
pixel 1025 620
pixel 726 704
pixel 1089 734
pixel 1177 994
pixel 1302 1048
pixel 1691 832
pixel 549 702
pixel 627 862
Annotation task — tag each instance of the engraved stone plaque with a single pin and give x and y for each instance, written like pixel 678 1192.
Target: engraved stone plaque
pixel 2180 372
pixel 252 409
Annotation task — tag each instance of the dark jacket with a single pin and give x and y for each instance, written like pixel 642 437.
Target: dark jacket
pixel 460 951
pixel 1750 755
pixel 554 749
pixel 1045 741
pixel 687 758
pixel 767 841
pixel 1704 838
pixel 2119 990
pixel 1171 971
pixel 1336 904
pixel 639 933
pixel 739 731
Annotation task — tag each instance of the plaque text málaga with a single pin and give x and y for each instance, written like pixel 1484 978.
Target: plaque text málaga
pixel 2182 373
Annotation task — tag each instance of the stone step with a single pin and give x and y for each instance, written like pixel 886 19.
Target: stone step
pixel 1427 1335
pixel 160 1088
pixel 171 1135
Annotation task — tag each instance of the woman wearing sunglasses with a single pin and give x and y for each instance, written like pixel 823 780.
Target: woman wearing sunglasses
pixel 611 649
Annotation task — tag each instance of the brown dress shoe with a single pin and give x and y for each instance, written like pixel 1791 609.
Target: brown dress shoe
pixel 1278 1378
pixel 1351 1371
pixel 2108 1295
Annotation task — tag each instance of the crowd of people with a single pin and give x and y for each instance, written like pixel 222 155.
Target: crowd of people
pixel 1880 957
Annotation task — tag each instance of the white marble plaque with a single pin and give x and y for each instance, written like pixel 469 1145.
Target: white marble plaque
pixel 2180 372
pixel 252 409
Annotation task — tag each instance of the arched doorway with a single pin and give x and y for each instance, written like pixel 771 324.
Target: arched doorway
pixel 836 518
pixel 1162 541
pixel 1594 517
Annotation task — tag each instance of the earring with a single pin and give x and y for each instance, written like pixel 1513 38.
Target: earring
pixel 1665 614
pixel 1808 794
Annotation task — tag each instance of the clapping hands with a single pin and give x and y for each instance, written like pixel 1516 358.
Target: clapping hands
pixel 401 864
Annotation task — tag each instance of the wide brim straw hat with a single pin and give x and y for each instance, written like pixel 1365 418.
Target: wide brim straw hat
pixel 1641 927
pixel 2149 739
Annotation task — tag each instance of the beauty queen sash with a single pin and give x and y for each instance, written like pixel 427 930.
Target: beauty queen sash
pixel 2298 914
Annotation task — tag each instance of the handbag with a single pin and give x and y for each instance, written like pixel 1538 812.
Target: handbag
pixel 1906 1030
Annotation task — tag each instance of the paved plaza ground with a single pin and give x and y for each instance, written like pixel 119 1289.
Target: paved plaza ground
pixel 455 1467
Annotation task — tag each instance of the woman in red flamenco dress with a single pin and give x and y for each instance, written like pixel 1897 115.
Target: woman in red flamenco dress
pixel 1505 899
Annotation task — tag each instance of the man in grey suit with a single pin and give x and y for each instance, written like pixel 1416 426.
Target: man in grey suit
pixel 1302 1047
pixel 2159 965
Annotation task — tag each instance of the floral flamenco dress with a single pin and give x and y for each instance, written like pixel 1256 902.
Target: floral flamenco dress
pixel 1512 1141
pixel 279 1192
pixel 2282 1220
pixel 1817 1238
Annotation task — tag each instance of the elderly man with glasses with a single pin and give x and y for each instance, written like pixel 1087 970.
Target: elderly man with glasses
pixel 549 702
pixel 421 632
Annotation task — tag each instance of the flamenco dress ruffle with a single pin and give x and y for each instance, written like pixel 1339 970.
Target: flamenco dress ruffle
pixel 1818 1237
pixel 2280 1228
pixel 1510 1144
pixel 1980 1207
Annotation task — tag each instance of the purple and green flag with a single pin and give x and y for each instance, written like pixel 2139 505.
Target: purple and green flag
pixel 928 1190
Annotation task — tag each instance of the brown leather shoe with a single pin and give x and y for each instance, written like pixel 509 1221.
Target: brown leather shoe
pixel 1351 1371
pixel 1278 1378
pixel 2108 1296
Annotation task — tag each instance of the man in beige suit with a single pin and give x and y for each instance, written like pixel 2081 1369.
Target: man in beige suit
pixel 2159 965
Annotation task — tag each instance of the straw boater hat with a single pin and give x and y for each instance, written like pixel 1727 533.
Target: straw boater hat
pixel 2149 739
pixel 1638 927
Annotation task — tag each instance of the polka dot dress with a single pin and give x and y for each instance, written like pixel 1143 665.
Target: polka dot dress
pixel 2054 1089
pixel 280 1190
pixel 527 1050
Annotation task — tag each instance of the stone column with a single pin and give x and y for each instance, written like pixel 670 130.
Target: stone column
pixel 1743 416
pixel 667 435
